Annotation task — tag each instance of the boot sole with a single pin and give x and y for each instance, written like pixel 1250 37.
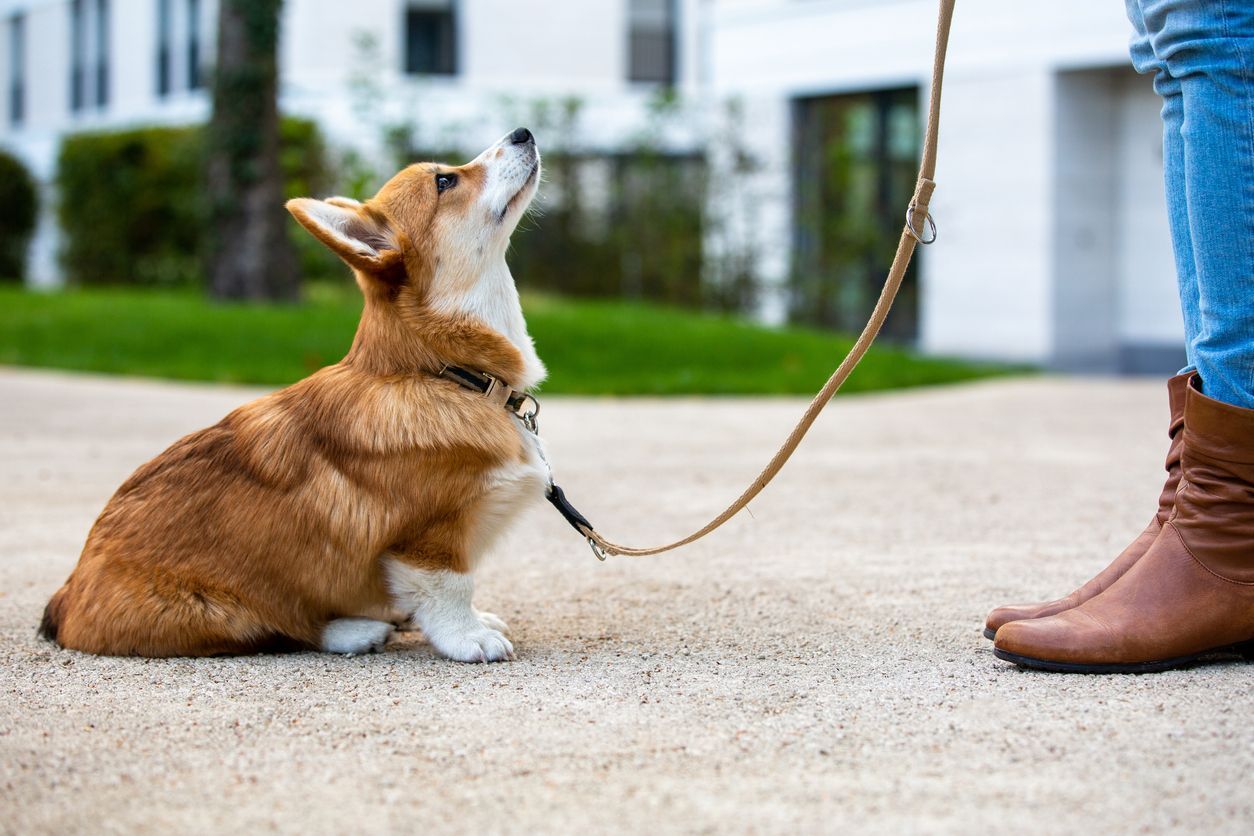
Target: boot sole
pixel 1244 650
pixel 990 633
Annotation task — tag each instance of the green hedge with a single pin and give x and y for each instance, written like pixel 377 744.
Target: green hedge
pixel 19 207
pixel 132 203
pixel 643 242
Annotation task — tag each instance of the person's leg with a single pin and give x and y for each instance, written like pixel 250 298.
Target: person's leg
pixel 1192 593
pixel 1206 50
pixel 1146 62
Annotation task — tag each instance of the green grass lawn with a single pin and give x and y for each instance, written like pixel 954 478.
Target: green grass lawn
pixel 590 347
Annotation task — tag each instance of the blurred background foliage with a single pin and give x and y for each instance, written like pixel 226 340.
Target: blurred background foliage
pixel 630 224
pixel 133 208
pixel 638 266
pixel 641 222
pixel 19 207
pixel 626 225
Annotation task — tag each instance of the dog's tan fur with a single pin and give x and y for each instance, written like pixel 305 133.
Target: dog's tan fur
pixel 260 530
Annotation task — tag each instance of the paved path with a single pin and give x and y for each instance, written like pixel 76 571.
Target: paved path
pixel 816 666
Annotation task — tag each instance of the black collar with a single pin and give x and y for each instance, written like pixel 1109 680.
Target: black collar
pixel 497 391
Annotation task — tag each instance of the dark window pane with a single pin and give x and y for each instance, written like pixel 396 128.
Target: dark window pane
pixel 163 71
pixel 651 41
pixel 78 59
pixel 651 58
pixel 195 79
pixel 855 164
pixel 17 69
pixel 430 41
pixel 102 52
pixel 164 35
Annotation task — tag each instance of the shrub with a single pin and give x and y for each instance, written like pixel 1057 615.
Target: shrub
pixel 630 224
pixel 132 204
pixel 637 236
pixel 19 207
pixel 307 172
pixel 129 206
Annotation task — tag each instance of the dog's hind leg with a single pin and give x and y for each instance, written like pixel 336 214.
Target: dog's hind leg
pixel 352 636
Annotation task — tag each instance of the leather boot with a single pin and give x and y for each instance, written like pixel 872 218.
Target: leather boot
pixel 1166 502
pixel 1191 595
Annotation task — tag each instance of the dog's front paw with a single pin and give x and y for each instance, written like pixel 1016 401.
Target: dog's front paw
pixel 492 622
pixel 483 645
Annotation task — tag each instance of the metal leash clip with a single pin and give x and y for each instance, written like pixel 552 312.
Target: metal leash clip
pixel 596 550
pixel 529 416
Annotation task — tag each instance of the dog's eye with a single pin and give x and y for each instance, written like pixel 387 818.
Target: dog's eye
pixel 445 181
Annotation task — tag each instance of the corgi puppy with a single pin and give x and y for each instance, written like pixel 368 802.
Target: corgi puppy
pixel 318 515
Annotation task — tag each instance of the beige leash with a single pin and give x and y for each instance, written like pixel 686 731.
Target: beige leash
pixel 916 217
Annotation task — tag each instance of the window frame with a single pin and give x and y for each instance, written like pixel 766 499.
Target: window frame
pixel 164 82
pixel 449 13
pixel 195 75
pixel 104 25
pixel 17 69
pixel 78 56
pixel 636 74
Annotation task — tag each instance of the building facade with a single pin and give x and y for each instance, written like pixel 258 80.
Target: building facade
pixel 1054 246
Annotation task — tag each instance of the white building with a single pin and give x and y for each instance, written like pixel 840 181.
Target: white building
pixel 1054 246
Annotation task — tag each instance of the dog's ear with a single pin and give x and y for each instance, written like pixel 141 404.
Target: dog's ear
pixel 361 237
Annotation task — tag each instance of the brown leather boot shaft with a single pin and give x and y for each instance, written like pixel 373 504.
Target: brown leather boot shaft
pixel 1177 388
pixel 1176 393
pixel 1192 592
pixel 1214 510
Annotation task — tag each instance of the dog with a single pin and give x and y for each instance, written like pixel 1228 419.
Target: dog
pixel 370 491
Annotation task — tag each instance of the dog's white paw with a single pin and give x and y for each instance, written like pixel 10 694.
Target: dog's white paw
pixel 352 636
pixel 482 645
pixel 492 622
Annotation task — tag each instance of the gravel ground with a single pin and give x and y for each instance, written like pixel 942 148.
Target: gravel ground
pixel 815 666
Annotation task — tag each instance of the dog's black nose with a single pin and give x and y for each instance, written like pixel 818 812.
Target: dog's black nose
pixel 520 136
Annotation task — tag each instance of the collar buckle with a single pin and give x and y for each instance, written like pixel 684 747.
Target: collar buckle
pixel 522 405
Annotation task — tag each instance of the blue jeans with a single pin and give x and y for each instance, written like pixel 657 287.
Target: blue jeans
pixel 1201 53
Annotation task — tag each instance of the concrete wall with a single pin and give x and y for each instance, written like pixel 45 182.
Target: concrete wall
pixel 1151 332
pixel 1085 283
pixel 1115 302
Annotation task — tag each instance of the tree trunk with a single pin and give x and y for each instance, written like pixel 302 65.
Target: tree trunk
pixel 250 255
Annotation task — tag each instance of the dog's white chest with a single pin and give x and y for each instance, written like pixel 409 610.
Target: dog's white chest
pixel 510 489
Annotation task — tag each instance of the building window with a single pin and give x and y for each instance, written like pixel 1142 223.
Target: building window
pixel 855 163
pixel 180 58
pixel 195 77
pixel 78 55
pixel 102 53
pixel 651 41
pixel 89 54
pixel 165 37
pixel 431 38
pixel 17 70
